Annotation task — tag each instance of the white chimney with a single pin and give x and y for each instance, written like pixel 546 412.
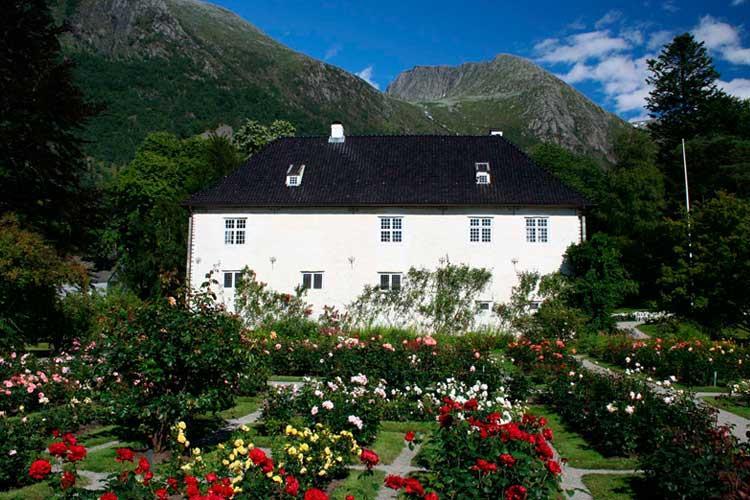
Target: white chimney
pixel 496 132
pixel 337 132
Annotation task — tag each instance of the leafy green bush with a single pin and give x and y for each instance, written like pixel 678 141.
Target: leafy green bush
pixel 438 301
pixel 622 415
pixel 162 362
pixel 693 362
pixel 259 306
pixel 695 462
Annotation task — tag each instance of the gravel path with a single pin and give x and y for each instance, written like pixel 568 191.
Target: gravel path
pixel 632 328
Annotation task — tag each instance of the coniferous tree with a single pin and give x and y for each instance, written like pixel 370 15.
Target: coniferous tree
pixel 683 79
pixel 41 113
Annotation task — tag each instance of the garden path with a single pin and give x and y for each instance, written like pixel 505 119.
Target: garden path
pixel 632 328
pixel 738 424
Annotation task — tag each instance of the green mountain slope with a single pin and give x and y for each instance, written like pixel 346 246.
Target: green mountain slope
pixel 514 95
pixel 188 66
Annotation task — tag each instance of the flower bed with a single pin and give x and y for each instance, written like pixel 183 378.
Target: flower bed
pixel 622 415
pixel 416 360
pixel 483 452
pixel 692 362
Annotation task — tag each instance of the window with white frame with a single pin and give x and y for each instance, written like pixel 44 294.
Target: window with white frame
pixel 480 229
pixel 537 229
pixel 293 180
pixel 484 306
pixel 312 280
pixel 234 231
pixel 390 281
pixel 391 229
pixel 231 278
pixel 483 178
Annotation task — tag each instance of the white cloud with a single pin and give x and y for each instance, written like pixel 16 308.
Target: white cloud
pixel 736 3
pixel 722 38
pixel 659 39
pixel 739 87
pixel 332 51
pixel 622 77
pixel 577 25
pixel 670 6
pixel 366 75
pixel 610 17
pixel 580 47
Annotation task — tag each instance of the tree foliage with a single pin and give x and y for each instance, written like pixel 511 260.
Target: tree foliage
pixel 713 286
pixel 147 233
pixel 599 280
pixel 252 136
pixel 41 114
pixel 683 80
pixel 31 276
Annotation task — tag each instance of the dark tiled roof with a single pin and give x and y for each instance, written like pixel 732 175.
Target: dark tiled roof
pixel 389 170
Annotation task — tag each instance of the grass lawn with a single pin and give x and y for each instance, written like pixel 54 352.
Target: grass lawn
pixel 701 388
pixel 244 405
pixel 363 487
pixel 104 460
pixel 286 378
pixel 730 405
pixel 614 486
pixel 572 446
pixel 38 491
pixel 685 331
pixel 388 445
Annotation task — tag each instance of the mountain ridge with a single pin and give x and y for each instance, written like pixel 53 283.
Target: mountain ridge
pixel 187 66
pixel 528 101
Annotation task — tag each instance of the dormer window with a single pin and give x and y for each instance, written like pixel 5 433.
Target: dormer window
pixel 482 172
pixel 294 175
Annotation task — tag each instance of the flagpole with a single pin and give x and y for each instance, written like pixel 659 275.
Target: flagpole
pixel 687 200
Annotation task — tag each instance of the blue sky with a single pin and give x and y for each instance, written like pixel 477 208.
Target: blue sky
pixel 598 47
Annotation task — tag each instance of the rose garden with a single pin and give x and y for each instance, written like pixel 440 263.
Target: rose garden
pixel 177 398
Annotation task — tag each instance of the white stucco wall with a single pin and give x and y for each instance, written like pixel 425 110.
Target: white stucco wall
pixel 300 240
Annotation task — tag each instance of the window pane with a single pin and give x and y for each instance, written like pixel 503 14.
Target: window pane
pixel 385 223
pixel 486 234
pixel 384 281
pixel 486 222
pixel 240 236
pixel 228 237
pixel 396 235
pixel 385 236
pixel 530 222
pixel 228 280
pixel 396 281
pixel 474 222
pixel 306 279
pixel 229 223
pixel 474 234
pixel 237 278
pixel 318 280
pixel 396 223
pixel 241 223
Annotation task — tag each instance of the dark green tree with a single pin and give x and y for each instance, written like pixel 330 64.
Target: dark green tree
pixel 41 114
pixel 252 136
pixel 634 207
pixel 599 280
pixel 147 234
pixel 683 80
pixel 31 275
pixel 713 287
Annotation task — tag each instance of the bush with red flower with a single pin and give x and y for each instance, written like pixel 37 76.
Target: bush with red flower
pixel 166 361
pixel 490 453
pixel 546 357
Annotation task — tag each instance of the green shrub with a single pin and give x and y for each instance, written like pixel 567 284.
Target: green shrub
pixel 695 462
pixel 162 362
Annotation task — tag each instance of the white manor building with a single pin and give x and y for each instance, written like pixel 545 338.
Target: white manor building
pixel 336 213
